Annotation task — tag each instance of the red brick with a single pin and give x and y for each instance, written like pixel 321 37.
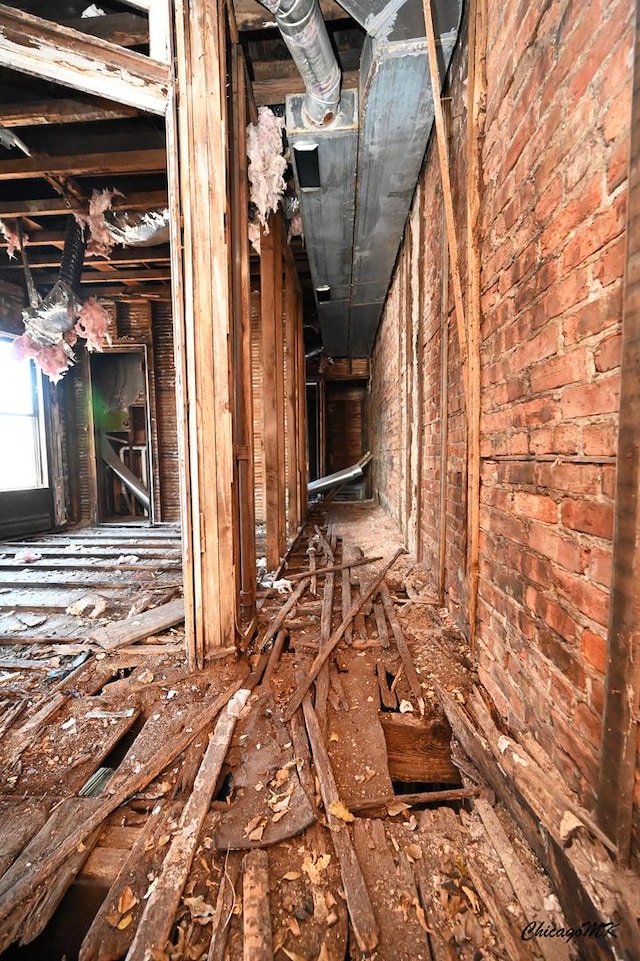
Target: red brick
pixel 609 481
pixel 535 506
pixel 588 724
pixel 600 565
pixel 600 440
pixel 599 397
pixel 617 118
pixel 617 166
pixel 565 551
pixel 558 371
pixel 584 596
pixel 610 264
pixel 601 312
pixel 595 235
pixel 588 517
pixel 606 356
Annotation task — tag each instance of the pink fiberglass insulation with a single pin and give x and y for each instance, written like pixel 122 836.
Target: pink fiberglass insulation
pixel 101 242
pixel 51 360
pixel 93 324
pixel 9 230
pixel 266 163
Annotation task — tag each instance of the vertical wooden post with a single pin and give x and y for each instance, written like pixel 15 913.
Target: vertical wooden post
pixel 620 723
pixel 444 420
pixel 291 352
pixel 273 389
pixel 243 395
pixel 476 106
pixel 197 185
pixel 301 404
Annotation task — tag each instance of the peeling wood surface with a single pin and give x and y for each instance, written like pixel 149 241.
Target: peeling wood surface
pixel 63 55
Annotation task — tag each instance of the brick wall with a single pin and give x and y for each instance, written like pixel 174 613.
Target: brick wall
pixel 554 167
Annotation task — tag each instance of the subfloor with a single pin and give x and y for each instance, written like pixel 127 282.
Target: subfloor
pixel 331 825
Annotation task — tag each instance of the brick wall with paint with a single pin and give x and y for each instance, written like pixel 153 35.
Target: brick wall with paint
pixel 553 206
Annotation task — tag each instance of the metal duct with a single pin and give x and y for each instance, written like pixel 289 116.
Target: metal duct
pixel 149 228
pixel 305 34
pixel 394 125
pixel 45 321
pixel 328 209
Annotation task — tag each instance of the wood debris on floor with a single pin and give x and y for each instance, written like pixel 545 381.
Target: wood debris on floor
pixel 296 800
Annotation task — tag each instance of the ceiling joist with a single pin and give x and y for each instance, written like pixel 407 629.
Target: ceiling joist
pixel 126 255
pixel 251 15
pixel 42 112
pixel 58 206
pixel 123 29
pixel 121 162
pixel 119 276
pixel 60 54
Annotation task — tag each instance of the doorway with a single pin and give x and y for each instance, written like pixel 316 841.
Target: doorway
pixel 122 432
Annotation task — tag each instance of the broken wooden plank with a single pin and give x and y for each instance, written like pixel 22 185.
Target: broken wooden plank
pixel 135 629
pixel 224 906
pixel 402 932
pixel 256 916
pixel 73 813
pixel 332 568
pixel 336 637
pixel 108 939
pixel 357 748
pixel 134 774
pixel 509 936
pixel 381 624
pixel 279 619
pixel 381 805
pixel 401 644
pixel 20 820
pixel 158 916
pixel 363 920
pixel 418 749
pixel 524 882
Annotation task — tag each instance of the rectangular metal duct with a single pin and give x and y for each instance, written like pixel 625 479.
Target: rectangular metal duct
pixel 328 210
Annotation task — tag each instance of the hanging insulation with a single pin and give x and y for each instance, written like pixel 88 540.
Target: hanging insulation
pixel 266 163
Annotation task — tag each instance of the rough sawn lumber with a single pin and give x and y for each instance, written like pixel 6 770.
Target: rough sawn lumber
pixel 136 628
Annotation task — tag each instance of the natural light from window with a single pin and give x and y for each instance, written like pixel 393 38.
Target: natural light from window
pixel 21 461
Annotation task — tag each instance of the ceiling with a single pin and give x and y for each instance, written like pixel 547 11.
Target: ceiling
pixel 79 143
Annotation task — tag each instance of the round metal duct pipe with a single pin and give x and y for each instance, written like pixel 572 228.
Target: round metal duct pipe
pixel 304 31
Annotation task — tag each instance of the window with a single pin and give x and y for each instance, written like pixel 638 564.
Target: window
pixel 22 456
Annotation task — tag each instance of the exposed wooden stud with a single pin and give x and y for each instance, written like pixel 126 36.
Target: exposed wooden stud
pixel 447 195
pixel 49 51
pixel 622 686
pixel 444 422
pixel 301 413
pixel 273 389
pixel 291 370
pixel 476 107
pixel 241 304
pixel 206 330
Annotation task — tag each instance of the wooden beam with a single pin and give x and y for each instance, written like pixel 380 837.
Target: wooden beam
pixel 251 15
pixel 274 90
pixel 476 108
pixel 119 162
pixel 113 277
pixel 58 206
pixel 118 256
pixel 447 195
pixel 123 29
pixel 204 329
pixel 52 52
pixel 42 112
pixel 620 722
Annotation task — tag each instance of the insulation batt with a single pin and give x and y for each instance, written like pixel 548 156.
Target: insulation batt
pixel 51 360
pixel 9 230
pixel 266 163
pixel 101 242
pixel 93 324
